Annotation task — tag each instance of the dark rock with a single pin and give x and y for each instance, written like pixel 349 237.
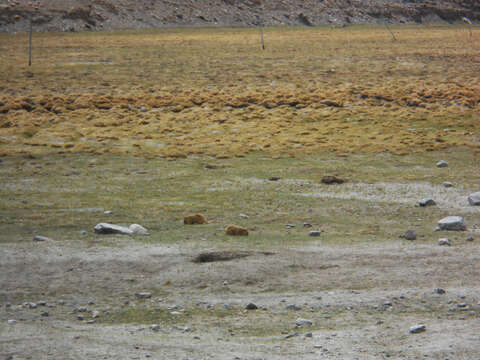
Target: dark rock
pixel 330 179
pixel 427 202
pixel 251 306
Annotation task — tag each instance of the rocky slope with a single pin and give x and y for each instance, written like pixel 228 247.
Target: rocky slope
pixel 76 15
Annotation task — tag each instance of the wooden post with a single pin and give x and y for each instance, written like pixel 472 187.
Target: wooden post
pixel 391 32
pixel 261 36
pixel 30 44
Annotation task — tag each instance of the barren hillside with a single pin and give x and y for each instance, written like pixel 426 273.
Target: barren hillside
pixel 70 15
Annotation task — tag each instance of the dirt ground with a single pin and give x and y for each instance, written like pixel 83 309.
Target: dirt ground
pixel 361 300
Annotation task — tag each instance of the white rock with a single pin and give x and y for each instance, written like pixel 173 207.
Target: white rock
pixel 452 223
pixel 417 329
pixel 11 321
pixel 442 163
pixel 41 238
pixel 444 242
pixel 474 199
pixel 301 322
pixel 95 314
pixel 105 228
pixel 138 229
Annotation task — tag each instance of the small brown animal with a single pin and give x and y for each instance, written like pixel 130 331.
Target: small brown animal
pixel 195 219
pixel 236 230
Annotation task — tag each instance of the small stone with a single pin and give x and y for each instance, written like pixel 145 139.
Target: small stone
pixel 417 329
pixel 317 346
pixel 442 163
pixel 410 235
pixel 301 322
pixel 41 238
pixel 439 291
pixel 91 302
pixel 387 303
pixel 175 313
pixel 455 223
pixel 314 233
pixel 290 335
pixel 447 184
pixel 307 225
pixel 11 321
pixel 45 313
pixel 138 229
pixel 427 202
pixel 251 306
pixel 105 228
pixel 83 232
pixel 470 238
pixel 31 305
pixel 81 309
pixel 308 335
pixel 95 314
pixel 244 216
pixel 289 226
pixel 90 321
pixel 143 295
pixel 474 199
pixel 41 303
pixel 293 307
pixel 108 212
pixel 143 109
pixel 444 242
pixel 80 317
pixel 462 305
pixel 330 179
pixel 155 327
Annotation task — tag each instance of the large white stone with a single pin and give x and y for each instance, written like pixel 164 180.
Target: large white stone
pixel 452 223
pixel 104 228
pixel 138 229
pixel 474 199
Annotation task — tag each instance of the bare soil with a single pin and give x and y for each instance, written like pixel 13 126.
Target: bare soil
pixel 361 298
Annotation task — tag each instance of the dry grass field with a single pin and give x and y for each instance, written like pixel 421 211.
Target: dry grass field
pixel 147 127
pixel 176 93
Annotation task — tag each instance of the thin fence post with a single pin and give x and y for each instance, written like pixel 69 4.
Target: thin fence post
pixel 30 44
pixel 261 36
pixel 391 32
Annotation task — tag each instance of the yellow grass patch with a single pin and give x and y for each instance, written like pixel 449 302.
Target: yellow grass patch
pixel 175 93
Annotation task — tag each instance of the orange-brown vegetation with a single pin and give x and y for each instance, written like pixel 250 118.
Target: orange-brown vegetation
pixel 195 219
pixel 236 230
pixel 176 93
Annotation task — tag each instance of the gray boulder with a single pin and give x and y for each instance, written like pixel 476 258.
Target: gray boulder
pixel 426 202
pixel 104 228
pixel 474 199
pixel 455 223
pixel 410 235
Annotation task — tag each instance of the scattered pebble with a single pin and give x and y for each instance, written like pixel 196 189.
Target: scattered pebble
pixel 474 199
pixel 293 307
pixel 427 202
pixel 11 321
pixel 95 314
pixel 442 163
pixel 108 212
pixel 308 335
pixel 45 314
pixel 439 291
pixel 143 295
pixel 251 306
pixel 83 232
pixel 155 327
pixel 470 238
pixel 290 335
pixel 244 216
pixel 314 233
pixel 41 238
pixel 80 317
pixel 289 226
pixel 301 322
pixel 444 242
pixel 81 309
pixel 307 225
pixel 410 235
pixel 417 329
pixel 41 303
pixel 447 184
